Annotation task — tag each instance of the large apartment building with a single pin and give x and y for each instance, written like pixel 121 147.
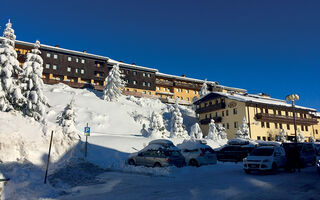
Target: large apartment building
pixel 265 116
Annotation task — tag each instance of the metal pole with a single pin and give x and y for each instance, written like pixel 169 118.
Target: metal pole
pixel 45 178
pixel 86 145
pixel 294 121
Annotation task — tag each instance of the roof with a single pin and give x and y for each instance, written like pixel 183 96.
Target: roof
pixel 213 83
pixel 133 66
pixel 250 98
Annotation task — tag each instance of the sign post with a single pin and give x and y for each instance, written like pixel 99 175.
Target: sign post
pixel 86 133
pixel 48 160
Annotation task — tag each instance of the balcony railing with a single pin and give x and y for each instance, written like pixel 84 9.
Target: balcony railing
pixel 284 119
pixel 187 85
pixel 207 121
pixel 164 83
pixel 211 108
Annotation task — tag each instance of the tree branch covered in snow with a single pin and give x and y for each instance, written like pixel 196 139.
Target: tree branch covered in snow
pixel 114 85
pixel 196 132
pixel 243 131
pixel 67 119
pixel 204 89
pixel 177 130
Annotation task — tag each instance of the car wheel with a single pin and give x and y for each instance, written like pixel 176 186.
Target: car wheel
pixel 193 163
pixel 131 162
pixel 157 164
pixel 248 171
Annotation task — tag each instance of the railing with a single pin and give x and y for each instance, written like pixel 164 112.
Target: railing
pixel 173 101
pixel 187 85
pixel 164 83
pixel 139 94
pixel 208 120
pixel 211 108
pixel 284 119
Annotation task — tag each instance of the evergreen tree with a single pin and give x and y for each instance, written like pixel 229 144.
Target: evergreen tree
pixel 196 132
pixel 67 119
pixel 243 131
pixel 157 129
pixel 213 132
pixel 10 94
pixel 177 130
pixel 221 132
pixel 312 138
pixel 300 137
pixel 114 85
pixel 204 89
pixel 32 84
pixel 283 135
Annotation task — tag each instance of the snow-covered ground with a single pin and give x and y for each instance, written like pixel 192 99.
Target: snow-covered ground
pixel 116 131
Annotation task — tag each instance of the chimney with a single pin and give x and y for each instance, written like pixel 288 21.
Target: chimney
pixel 84 51
pixel 133 63
pixel 183 75
pixel 121 61
pixel 57 45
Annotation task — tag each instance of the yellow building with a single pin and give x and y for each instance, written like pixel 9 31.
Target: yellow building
pixel 265 116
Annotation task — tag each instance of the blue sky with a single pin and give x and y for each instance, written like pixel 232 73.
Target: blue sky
pixel 263 46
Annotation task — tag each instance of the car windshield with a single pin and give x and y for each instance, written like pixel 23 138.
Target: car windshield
pixel 207 150
pixel 172 153
pixel 262 152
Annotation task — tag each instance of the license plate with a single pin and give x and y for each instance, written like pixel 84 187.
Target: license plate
pixel 254 166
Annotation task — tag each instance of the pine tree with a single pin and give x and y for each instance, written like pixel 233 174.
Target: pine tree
pixel 204 89
pixel 67 119
pixel 312 138
pixel 114 85
pixel 221 132
pixel 157 129
pixel 300 137
pixel 177 130
pixel 243 131
pixel 283 135
pixel 10 94
pixel 196 132
pixel 32 84
pixel 213 132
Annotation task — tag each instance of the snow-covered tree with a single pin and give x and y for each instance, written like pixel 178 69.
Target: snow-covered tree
pixel 31 84
pixel 283 135
pixel 67 119
pixel 213 132
pixel 204 89
pixel 243 131
pixel 10 94
pixel 177 130
pixel 114 84
pixel 157 129
pixel 300 137
pixel 312 139
pixel 221 132
pixel 196 132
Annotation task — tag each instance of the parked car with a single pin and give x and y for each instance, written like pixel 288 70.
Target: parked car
pixel 234 153
pixel 306 150
pixel 159 153
pixel 317 147
pixel 265 158
pixel 197 153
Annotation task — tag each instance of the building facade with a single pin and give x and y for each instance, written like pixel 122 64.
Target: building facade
pixel 265 116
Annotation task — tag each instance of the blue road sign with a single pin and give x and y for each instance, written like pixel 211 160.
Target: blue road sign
pixel 87 131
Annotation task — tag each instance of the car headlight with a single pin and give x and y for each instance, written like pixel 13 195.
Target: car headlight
pixel 266 160
pixel 319 161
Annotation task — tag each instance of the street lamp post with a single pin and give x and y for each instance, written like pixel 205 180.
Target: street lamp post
pixel 293 98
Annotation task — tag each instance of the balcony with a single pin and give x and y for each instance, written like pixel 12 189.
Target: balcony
pixel 187 85
pixel 211 108
pixel 284 119
pixel 207 121
pixel 164 83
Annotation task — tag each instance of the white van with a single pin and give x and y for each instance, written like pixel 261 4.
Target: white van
pixel 265 158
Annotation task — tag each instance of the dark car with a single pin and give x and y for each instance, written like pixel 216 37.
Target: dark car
pixel 233 153
pixel 306 151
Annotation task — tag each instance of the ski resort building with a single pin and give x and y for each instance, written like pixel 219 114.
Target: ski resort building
pixel 266 117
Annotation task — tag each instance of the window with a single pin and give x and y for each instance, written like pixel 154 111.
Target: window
pixel 302 127
pixel 77 59
pixel 144 74
pixel 228 126
pixel 187 91
pixel 69 69
pixel 158 88
pixel 149 75
pixel 288 126
pixel 149 84
pixel 280 125
pixel 55 56
pixel 258 138
pixel 144 83
pixel 69 58
pixel 262 124
pixel 181 98
pixel 55 67
pixel 134 73
pixel 222 113
pixel 235 124
pixel 177 89
pixel 316 131
pixel 268 125
pixel 264 138
pixel 48 55
pixel 206 114
pixel 275 125
pixel 82 71
pixel 267 110
pixel 77 70
pixel 279 112
pixel 287 113
pixel 144 92
pixel 227 112
pixel 83 61
pixel 306 128
pixel 194 92
pixel 188 99
pixel 217 114
pixel 149 93
pixel 235 111
pixel 47 66
pixel 134 82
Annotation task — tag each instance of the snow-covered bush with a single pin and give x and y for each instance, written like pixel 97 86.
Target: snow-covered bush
pixel 31 84
pixel 204 89
pixel 114 85
pixel 283 135
pixel 10 94
pixel 213 132
pixel 300 137
pixel 177 130
pixel 243 131
pixel 157 129
pixel 196 132
pixel 221 132
pixel 66 120
pixel 312 139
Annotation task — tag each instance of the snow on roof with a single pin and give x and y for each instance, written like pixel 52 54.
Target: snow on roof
pixel 111 61
pixel 162 142
pixel 268 143
pixel 192 144
pixel 252 98
pixel 240 141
